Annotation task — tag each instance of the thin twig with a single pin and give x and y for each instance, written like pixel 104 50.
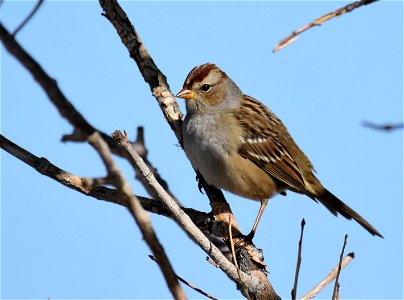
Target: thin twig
pixel 383 127
pixel 209 260
pixel 330 277
pixel 29 17
pixel 233 252
pixel 338 295
pixel 299 260
pixel 334 293
pixel 141 217
pixel 188 283
pixel 320 21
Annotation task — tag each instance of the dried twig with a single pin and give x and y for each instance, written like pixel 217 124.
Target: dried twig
pixel 320 21
pixel 188 283
pixel 299 260
pixel 336 285
pixel 141 217
pixel 330 277
pixel 29 17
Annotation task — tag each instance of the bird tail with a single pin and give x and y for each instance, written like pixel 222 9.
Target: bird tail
pixel 334 205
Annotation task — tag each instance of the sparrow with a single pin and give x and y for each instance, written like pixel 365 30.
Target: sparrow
pixel 237 144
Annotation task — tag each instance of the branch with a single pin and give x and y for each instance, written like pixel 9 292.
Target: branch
pixel 82 185
pixel 320 21
pixel 330 277
pixel 141 217
pixel 182 219
pixel 254 284
pixel 336 285
pixel 299 260
pixel 150 72
pixel 29 17
pixel 82 129
pixel 188 283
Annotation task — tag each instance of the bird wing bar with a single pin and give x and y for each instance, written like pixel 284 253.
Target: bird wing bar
pixel 274 160
pixel 263 142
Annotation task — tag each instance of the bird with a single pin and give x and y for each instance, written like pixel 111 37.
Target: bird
pixel 238 144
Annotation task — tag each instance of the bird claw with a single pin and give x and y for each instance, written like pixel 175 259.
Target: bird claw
pixel 200 180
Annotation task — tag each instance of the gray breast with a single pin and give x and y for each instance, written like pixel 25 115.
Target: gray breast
pixel 205 145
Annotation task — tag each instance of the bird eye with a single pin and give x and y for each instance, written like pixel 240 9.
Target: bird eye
pixel 205 87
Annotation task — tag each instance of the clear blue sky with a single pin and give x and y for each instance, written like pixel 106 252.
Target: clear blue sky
pixel 58 243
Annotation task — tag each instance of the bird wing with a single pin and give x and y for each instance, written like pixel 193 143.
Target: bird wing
pixel 267 143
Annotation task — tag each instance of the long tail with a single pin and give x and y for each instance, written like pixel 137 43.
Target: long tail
pixel 334 205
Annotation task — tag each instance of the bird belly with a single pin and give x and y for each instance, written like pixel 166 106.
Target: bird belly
pixel 245 179
pixel 222 166
pixel 232 173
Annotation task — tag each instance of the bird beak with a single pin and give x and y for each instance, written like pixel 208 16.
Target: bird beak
pixel 186 94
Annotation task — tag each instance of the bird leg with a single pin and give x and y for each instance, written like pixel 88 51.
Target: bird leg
pixel 264 203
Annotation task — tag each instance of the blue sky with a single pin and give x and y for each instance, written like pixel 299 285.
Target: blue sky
pixel 60 244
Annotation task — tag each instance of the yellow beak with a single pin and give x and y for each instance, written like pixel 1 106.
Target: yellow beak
pixel 186 94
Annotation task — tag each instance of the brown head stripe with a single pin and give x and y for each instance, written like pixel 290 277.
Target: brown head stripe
pixel 197 74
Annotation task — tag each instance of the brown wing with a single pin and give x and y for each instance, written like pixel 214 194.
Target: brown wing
pixel 268 144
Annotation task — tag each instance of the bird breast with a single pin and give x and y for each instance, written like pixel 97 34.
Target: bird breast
pixel 212 150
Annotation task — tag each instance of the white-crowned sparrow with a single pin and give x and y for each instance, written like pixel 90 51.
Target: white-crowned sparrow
pixel 239 145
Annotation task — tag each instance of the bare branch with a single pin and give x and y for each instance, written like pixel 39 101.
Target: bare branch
pixel 84 186
pixel 186 223
pixel 29 17
pixel 320 21
pixel 299 260
pixel 141 217
pixel 82 129
pixel 337 285
pixel 51 88
pixel 189 284
pixel 330 277
pixel 150 72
